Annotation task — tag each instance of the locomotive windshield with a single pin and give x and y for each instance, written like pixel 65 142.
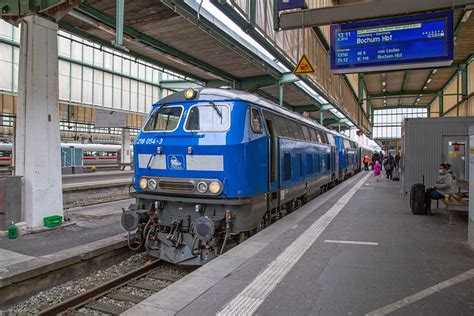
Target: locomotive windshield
pixel 208 118
pixel 165 118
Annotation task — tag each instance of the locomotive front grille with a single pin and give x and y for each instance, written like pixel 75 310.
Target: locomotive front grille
pixel 184 186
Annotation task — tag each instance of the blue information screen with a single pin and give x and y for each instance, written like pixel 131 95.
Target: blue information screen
pixel 290 4
pixel 396 43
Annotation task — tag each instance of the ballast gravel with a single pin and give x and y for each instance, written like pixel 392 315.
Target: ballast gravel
pixel 59 293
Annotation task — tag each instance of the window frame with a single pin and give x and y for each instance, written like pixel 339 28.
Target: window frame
pixel 204 131
pixel 259 119
pixel 156 109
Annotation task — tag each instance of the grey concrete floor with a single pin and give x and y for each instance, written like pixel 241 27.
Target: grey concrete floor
pixel 413 253
pixel 92 223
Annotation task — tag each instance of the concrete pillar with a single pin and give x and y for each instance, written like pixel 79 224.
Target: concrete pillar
pixel 470 234
pixel 125 152
pixel 37 141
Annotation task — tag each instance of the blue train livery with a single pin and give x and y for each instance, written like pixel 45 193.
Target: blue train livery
pixel 214 166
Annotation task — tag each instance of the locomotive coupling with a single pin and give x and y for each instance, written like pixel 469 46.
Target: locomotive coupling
pixel 131 219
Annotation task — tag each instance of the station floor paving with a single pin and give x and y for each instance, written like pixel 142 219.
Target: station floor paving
pixel 355 250
pixel 91 224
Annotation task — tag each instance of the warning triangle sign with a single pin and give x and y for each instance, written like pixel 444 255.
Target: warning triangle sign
pixel 303 67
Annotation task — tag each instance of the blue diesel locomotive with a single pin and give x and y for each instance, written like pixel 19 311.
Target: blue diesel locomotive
pixel 214 166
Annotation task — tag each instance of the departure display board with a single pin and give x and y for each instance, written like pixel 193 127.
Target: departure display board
pixel 424 40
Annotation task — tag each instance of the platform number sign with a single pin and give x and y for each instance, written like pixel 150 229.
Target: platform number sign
pixel 290 4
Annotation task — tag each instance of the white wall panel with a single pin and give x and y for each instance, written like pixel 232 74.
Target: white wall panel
pixel 6 30
pixel 87 85
pixel 6 76
pixel 98 95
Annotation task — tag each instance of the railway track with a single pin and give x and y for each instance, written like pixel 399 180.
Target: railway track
pixel 116 296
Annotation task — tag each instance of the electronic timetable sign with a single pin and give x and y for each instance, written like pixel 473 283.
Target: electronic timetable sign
pixel 416 41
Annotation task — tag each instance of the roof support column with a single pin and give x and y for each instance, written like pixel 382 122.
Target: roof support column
pixel 470 238
pixel 464 81
pixel 441 104
pixel 119 12
pixel 125 152
pixel 252 11
pixel 321 117
pixel 37 142
pixel 280 95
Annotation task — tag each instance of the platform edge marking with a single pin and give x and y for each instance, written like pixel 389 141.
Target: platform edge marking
pixel 351 242
pixel 261 287
pixel 422 294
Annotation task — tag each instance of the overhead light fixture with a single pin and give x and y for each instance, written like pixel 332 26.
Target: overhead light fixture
pixel 383 83
pixel 434 71
pixel 384 90
pixel 429 80
pixel 424 88
pixel 418 100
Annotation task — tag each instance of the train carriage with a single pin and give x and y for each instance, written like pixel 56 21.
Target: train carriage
pixel 213 166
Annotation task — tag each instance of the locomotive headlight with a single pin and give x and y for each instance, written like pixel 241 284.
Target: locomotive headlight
pixel 202 187
pixel 214 187
pixel 143 183
pixel 189 94
pixel 152 184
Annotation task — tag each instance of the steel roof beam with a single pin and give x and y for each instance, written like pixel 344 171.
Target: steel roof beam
pixel 397 94
pixel 154 43
pixel 363 11
pixel 178 84
pixel 307 108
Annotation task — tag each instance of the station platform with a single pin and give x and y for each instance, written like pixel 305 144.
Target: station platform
pixel 91 230
pixel 355 250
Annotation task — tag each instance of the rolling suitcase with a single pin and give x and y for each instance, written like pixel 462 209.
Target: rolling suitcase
pixel 396 175
pixel 417 198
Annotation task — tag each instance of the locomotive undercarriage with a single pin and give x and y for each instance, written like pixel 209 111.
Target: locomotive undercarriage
pixel 193 232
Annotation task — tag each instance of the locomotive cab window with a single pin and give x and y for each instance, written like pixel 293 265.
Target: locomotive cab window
pixel 255 121
pixel 164 119
pixel 208 118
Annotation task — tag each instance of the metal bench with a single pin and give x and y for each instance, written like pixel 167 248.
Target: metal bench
pixel 455 203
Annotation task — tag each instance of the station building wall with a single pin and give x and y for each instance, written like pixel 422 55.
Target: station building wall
pixel 453 102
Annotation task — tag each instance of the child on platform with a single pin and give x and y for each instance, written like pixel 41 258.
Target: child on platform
pixel 377 170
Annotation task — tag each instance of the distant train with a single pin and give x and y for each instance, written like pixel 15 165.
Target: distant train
pixel 214 166
pixel 93 154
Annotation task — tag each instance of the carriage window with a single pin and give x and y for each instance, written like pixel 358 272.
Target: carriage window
pixel 165 118
pixel 318 135
pixel 324 137
pixel 331 139
pixel 208 118
pixel 286 167
pixel 305 132
pixel 255 121
pixel 313 135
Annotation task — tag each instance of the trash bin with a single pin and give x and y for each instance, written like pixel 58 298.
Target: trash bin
pixel 10 201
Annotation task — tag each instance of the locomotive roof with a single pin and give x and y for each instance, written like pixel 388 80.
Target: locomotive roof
pixel 220 94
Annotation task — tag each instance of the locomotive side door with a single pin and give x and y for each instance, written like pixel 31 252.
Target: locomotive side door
pixel 272 157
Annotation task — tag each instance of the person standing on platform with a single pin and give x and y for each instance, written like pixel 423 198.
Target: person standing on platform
pixel 376 157
pixel 377 170
pixel 388 165
pixel 366 162
pixel 397 161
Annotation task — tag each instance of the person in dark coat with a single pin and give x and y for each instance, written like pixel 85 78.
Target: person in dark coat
pixel 397 161
pixel 389 165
